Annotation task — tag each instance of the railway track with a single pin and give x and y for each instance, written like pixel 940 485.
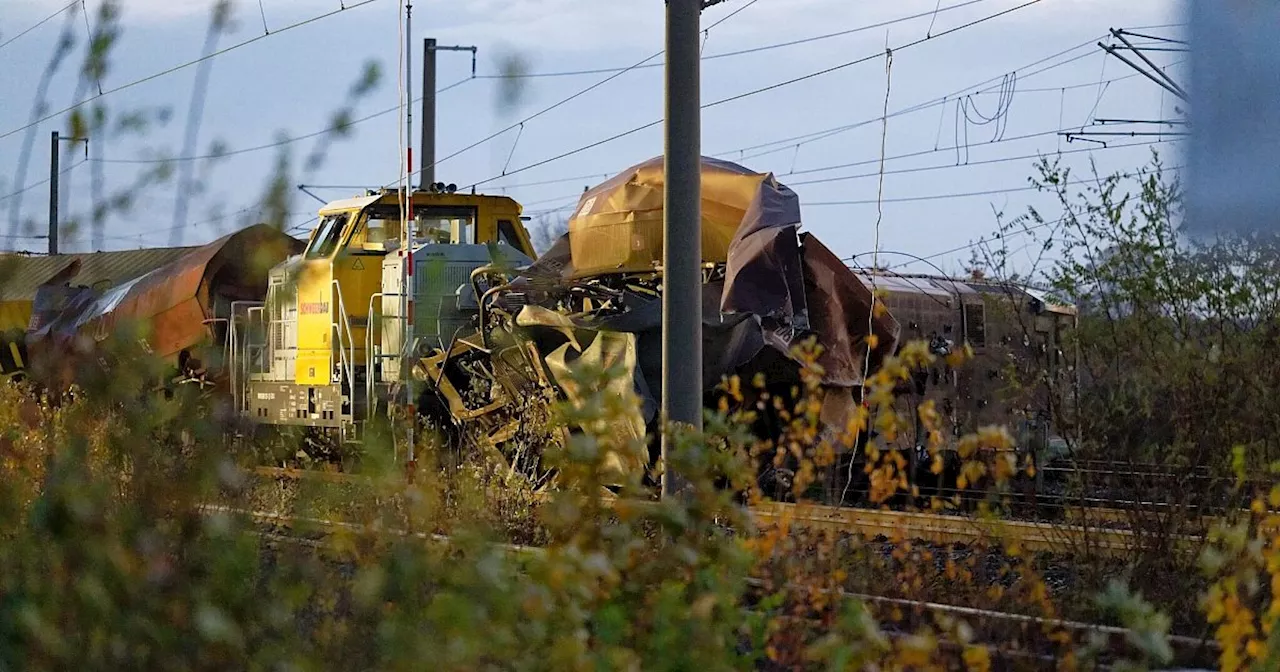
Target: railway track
pixel 328 526
pixel 1186 647
pixel 1094 530
pixel 951 529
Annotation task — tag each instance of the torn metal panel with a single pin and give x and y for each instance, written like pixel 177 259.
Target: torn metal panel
pixel 1048 301
pixel 551 267
pixel 607 350
pixel 729 341
pixel 487 393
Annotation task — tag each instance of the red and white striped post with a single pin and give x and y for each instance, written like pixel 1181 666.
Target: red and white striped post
pixel 406 366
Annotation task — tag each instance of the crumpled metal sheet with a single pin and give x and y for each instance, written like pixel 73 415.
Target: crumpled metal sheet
pixel 607 349
pixel 728 341
pixel 617 227
pixel 173 300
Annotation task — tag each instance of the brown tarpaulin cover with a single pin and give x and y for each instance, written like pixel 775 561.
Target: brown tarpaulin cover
pixel 840 317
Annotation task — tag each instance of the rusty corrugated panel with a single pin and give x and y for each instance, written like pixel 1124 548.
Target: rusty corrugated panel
pixel 21 275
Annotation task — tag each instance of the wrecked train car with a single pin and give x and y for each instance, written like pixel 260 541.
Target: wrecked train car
pixel 180 306
pixel 596 296
pixel 23 275
pixel 1021 375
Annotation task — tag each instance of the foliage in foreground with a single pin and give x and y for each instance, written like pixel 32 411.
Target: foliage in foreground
pixel 114 553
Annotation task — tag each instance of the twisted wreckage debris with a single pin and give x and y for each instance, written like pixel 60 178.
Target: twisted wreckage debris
pixel 595 296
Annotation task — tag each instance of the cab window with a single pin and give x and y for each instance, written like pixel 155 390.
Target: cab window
pixel 327 236
pixel 507 234
pixel 435 223
pixel 381 224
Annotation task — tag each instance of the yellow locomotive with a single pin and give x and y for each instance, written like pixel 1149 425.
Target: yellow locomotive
pixel 325 349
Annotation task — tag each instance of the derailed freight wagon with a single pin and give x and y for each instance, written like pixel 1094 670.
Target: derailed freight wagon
pixel 596 296
pixel 1021 376
pixel 179 307
pixel 23 275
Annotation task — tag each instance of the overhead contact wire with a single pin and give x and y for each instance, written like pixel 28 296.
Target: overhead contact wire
pixel 764 89
pixel 183 66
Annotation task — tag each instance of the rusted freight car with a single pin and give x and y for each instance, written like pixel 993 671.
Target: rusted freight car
pixel 180 297
pixel 1021 376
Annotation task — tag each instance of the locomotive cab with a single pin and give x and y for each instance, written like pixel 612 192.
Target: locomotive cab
pixel 326 344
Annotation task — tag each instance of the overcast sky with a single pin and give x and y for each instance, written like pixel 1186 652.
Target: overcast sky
pixel 292 80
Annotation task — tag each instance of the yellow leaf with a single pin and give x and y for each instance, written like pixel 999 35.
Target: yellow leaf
pixel 977 658
pixel 703 607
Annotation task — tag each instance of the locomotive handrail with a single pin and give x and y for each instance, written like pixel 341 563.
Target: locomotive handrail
pixel 236 359
pixel 369 363
pixel 370 380
pixel 346 358
pixel 261 311
pixel 233 362
pixel 226 356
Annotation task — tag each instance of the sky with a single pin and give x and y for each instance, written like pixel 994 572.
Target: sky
pixel 1033 70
